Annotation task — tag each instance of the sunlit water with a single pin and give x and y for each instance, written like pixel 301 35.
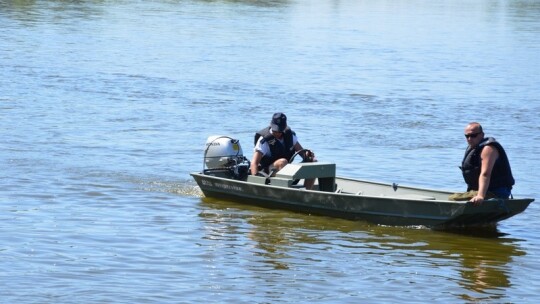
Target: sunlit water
pixel 105 107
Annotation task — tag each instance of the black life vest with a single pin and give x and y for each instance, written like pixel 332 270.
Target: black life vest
pixel 501 176
pixel 277 149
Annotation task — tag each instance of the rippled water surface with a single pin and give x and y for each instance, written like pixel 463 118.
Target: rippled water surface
pixel 105 107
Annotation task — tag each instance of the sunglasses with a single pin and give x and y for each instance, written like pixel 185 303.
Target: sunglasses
pixel 472 135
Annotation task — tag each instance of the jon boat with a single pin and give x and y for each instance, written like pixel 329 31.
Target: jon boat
pixel 225 176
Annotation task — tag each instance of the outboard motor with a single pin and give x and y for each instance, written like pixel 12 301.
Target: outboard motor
pixel 223 157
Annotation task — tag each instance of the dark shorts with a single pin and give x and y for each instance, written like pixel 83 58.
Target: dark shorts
pixel 501 192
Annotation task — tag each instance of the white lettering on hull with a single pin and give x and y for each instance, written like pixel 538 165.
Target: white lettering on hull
pixel 221 186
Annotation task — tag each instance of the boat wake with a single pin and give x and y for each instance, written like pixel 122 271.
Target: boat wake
pixel 187 188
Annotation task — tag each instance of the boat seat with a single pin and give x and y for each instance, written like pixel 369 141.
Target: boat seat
pixel 415 197
pixel 409 196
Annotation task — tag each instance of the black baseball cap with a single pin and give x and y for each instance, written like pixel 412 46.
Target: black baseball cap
pixel 278 122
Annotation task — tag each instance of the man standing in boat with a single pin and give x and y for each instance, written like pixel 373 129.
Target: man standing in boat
pixel 485 166
pixel 274 147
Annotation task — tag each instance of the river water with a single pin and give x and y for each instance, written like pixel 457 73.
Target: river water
pixel 105 107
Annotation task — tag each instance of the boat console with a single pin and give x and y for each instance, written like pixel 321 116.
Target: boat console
pixel 324 172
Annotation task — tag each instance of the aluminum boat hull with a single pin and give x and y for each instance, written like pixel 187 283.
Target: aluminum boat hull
pixel 385 204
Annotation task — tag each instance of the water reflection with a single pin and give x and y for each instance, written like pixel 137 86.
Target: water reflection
pixel 483 255
pixel 262 3
pixel 476 261
pixel 28 6
pixel 29 11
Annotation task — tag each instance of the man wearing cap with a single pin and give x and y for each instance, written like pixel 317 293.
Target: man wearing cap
pixel 274 146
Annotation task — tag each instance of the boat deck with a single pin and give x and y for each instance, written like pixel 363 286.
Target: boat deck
pixel 325 173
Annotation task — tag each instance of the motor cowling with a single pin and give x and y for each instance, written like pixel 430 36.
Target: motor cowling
pixel 224 156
